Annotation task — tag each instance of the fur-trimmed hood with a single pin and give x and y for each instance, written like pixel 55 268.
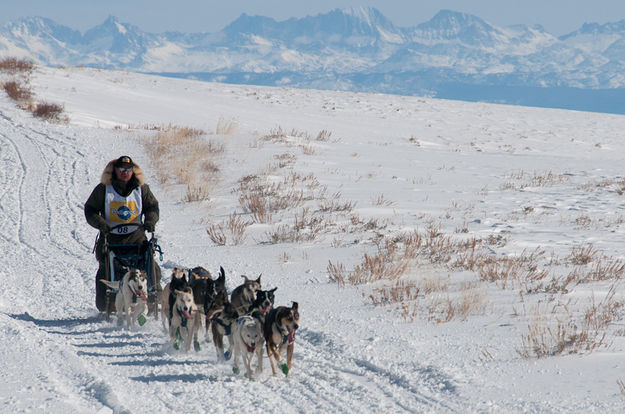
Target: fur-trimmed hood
pixel 107 174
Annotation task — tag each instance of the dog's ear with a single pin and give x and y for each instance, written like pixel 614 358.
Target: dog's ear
pixel 222 272
pixel 246 279
pixel 258 280
pixel 273 290
pixel 295 305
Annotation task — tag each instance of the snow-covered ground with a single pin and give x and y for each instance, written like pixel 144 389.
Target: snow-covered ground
pixel 526 179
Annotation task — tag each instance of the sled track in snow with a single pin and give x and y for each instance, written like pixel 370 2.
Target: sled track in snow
pixel 322 376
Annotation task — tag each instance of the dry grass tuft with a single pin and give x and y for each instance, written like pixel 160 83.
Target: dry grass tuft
pixel 17 91
pixel 185 156
pixel 554 331
pixel 234 228
pixel 227 126
pixel 48 111
pixel 14 65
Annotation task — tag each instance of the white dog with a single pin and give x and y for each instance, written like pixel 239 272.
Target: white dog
pixel 131 300
pixel 185 319
pixel 248 340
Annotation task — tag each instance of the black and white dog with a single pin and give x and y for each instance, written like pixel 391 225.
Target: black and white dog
pixel 205 294
pixel 131 300
pixel 262 304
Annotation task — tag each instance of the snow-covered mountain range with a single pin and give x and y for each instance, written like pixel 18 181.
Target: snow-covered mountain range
pixel 453 55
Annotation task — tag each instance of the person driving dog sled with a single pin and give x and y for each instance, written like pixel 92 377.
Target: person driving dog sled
pixel 121 197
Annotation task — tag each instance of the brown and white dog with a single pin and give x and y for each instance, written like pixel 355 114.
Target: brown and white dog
pixel 185 320
pixel 244 295
pixel 247 341
pixel 280 326
pixel 131 300
pixel 178 281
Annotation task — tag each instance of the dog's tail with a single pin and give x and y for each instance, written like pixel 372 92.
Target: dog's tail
pixel 114 285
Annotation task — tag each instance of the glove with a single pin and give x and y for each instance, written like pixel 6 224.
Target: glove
pixel 105 228
pixel 149 227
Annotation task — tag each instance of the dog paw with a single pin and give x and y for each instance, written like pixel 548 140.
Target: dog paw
pixel 227 355
pixel 176 346
pixel 142 320
pixel 196 346
pixel 285 369
pixel 236 370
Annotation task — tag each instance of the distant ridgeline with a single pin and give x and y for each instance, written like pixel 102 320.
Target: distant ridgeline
pixel 452 56
pixel 422 84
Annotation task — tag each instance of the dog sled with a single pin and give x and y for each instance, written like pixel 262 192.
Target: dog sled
pixel 121 257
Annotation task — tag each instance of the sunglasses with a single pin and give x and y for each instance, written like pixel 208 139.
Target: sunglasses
pixel 124 169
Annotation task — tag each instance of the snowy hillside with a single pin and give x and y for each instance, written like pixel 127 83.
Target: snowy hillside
pixel 519 210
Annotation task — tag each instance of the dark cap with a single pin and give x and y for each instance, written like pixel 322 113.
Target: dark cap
pixel 124 161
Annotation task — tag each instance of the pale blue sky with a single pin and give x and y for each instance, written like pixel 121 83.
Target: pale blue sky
pixel 557 16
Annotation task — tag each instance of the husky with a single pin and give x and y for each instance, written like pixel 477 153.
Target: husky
pixel 178 281
pixel 205 296
pixel 222 322
pixel 245 294
pixel 280 326
pixel 247 341
pixel 262 305
pixel 131 300
pixel 185 320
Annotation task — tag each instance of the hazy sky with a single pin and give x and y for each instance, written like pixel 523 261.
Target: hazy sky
pixel 557 16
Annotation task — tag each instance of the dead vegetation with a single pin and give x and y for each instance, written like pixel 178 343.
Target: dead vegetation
pixel 17 87
pixel 185 156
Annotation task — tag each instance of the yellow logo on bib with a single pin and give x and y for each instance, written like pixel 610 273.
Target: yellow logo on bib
pixel 123 212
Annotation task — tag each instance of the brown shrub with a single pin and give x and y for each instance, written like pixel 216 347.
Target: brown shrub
pixel 48 111
pixel 17 91
pixel 14 65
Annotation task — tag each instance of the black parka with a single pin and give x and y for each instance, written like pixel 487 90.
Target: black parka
pixel 94 207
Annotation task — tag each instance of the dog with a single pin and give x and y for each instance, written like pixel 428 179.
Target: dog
pixel 131 300
pixel 247 341
pixel 184 321
pixel 262 304
pixel 281 324
pixel 244 295
pixel 179 281
pixel 205 291
pixel 221 323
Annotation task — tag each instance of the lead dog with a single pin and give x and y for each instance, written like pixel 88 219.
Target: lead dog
pixel 248 341
pixel 280 326
pixel 178 281
pixel 185 320
pixel 131 300
pixel 244 295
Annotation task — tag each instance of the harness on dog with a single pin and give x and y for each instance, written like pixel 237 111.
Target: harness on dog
pixel 227 327
pixel 182 318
